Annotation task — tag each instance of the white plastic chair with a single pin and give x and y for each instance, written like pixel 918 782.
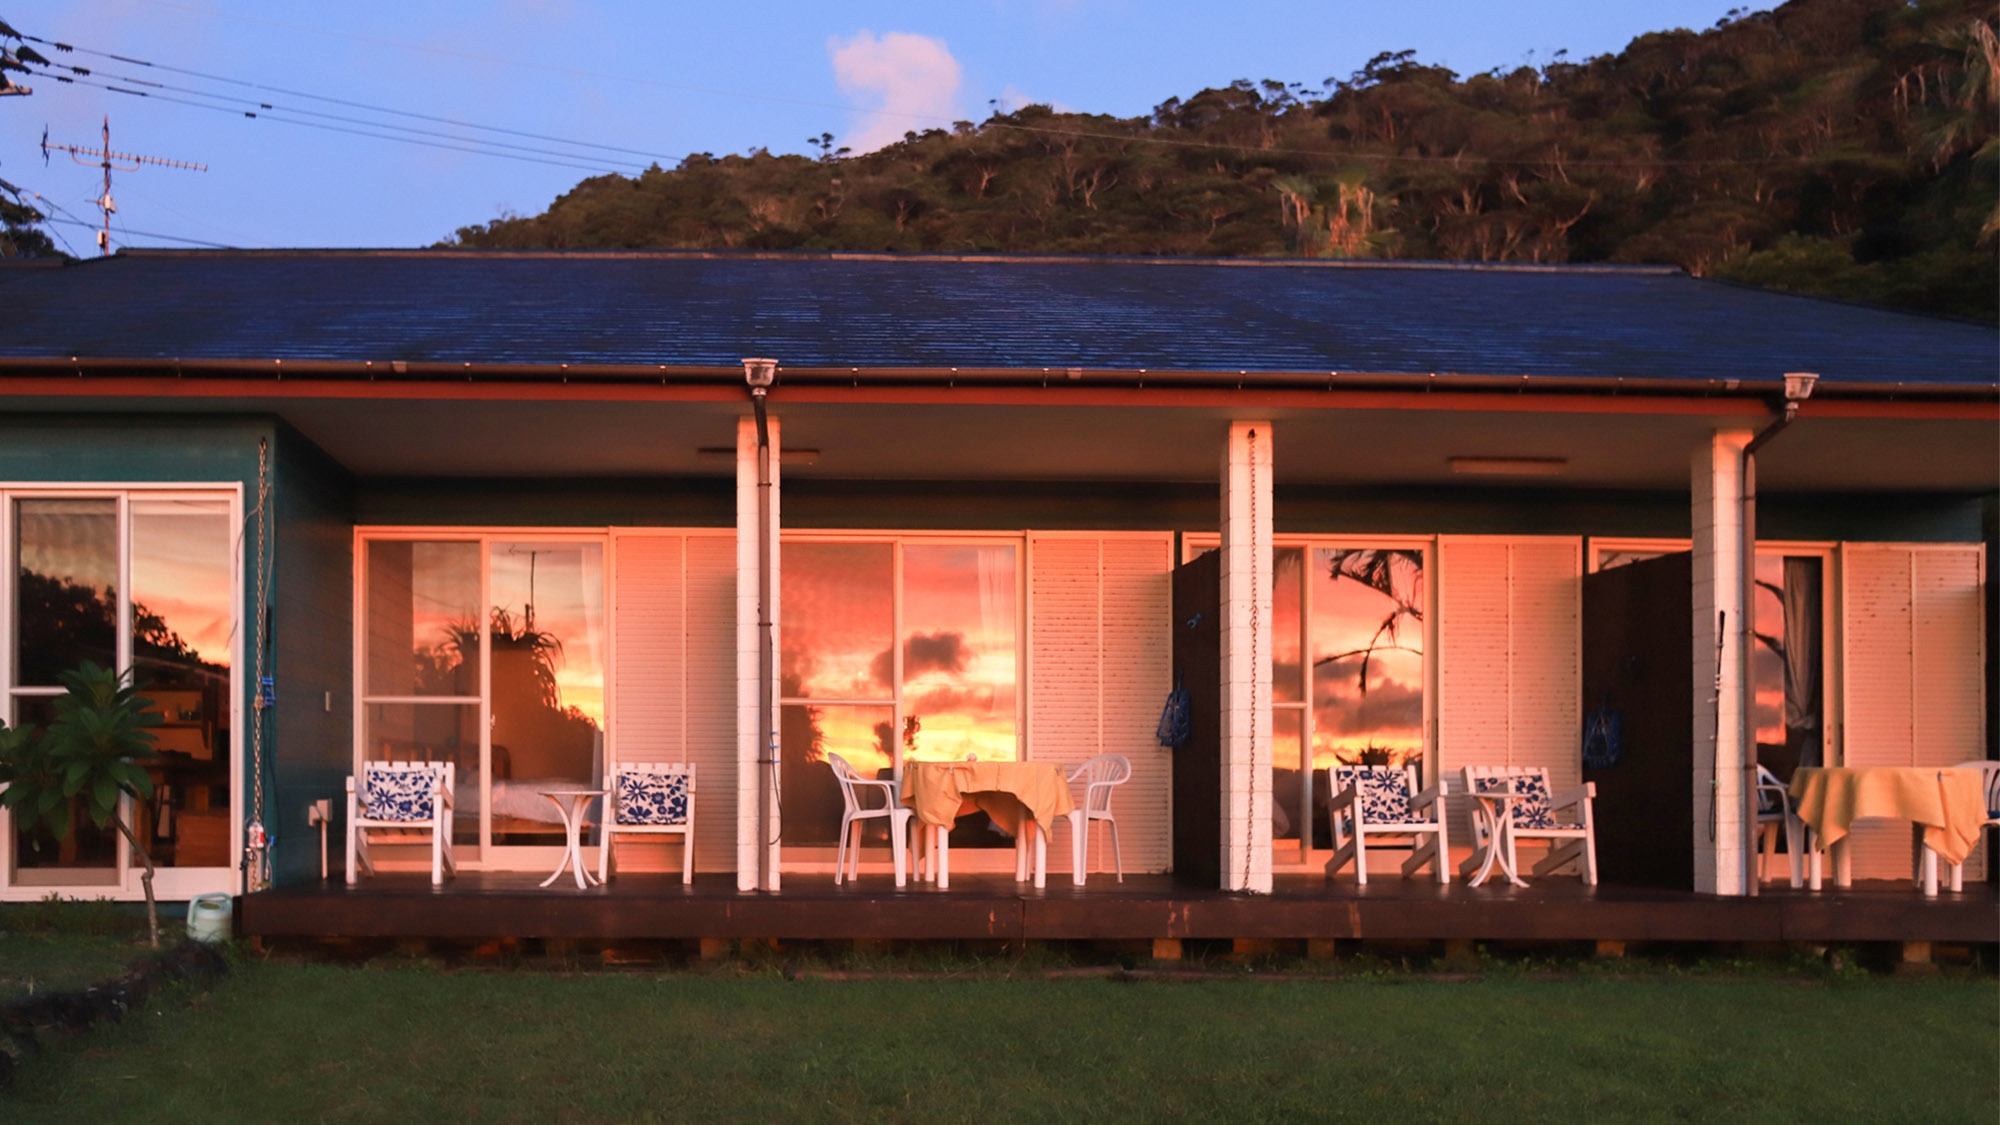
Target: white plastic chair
pixel 1367 801
pixel 1990 785
pixel 847 861
pixel 1774 811
pixel 1100 775
pixel 411 796
pixel 649 798
pixel 1537 813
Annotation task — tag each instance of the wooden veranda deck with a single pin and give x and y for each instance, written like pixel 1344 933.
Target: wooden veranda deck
pixel 484 906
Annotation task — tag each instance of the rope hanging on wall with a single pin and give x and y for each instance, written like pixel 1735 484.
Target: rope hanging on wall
pixel 258 840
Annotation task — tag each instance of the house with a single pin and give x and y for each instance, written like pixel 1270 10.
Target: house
pixel 501 509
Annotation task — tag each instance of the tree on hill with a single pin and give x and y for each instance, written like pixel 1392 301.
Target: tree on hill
pixel 1839 147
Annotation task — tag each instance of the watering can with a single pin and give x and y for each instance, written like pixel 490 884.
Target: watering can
pixel 209 917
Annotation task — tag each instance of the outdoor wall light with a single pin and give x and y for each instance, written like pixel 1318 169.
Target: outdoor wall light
pixel 1509 466
pixel 1799 385
pixel 760 373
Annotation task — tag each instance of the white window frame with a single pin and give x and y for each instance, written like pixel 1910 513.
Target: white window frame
pixel 481 855
pixel 169 883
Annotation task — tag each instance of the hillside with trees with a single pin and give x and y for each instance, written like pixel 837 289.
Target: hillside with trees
pixel 1838 147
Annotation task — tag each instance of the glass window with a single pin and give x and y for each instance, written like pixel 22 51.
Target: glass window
pixel 1367 638
pixel 66 587
pixel 182 621
pixel 423 618
pixel 178 608
pixel 1347 671
pixel 944 689
pixel 839 621
pixel 959 652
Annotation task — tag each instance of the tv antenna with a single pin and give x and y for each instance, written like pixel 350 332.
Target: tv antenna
pixel 109 160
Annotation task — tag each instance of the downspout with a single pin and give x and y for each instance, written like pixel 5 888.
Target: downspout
pixel 759 374
pixel 1798 388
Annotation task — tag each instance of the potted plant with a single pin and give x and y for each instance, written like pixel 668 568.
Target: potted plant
pixel 86 758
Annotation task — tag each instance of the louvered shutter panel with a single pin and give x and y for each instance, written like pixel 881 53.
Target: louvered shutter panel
pixel 1099 639
pixel 673 682
pixel 1509 659
pixel 1913 683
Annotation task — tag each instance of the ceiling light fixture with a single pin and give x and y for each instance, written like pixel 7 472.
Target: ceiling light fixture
pixel 1509 466
pixel 785 456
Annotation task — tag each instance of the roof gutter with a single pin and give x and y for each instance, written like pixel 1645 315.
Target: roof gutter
pixel 1041 377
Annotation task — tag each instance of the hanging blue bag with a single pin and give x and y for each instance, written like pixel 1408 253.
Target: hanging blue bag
pixel 1174 723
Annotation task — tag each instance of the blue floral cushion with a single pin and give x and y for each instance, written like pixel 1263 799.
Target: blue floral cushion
pixel 1530 808
pixel 652 798
pixel 1381 792
pixel 405 795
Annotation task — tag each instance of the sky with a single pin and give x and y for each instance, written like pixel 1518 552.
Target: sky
pixel 644 82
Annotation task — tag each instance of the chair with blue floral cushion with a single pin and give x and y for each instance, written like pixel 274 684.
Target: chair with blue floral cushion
pixel 650 798
pixel 410 796
pixel 1536 813
pixel 1372 801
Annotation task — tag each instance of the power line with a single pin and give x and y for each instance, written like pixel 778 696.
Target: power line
pixel 330 100
pixel 147 234
pixel 595 168
pixel 328 116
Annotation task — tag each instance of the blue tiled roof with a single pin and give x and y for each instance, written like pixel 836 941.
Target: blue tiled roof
pixel 822 310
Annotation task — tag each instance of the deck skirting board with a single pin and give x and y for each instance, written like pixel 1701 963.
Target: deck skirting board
pixel 638 908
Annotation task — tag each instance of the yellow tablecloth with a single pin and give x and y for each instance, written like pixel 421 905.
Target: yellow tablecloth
pixel 1002 790
pixel 1949 804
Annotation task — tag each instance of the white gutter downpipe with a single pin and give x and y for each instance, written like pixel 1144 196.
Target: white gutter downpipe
pixel 1798 388
pixel 759 374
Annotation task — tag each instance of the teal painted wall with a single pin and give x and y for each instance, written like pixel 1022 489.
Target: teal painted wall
pixel 312 632
pixel 201 450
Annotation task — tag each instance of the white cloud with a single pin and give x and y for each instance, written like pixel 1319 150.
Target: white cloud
pixel 914 76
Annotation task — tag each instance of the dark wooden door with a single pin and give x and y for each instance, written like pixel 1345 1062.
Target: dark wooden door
pixel 1637 667
pixel 1198 763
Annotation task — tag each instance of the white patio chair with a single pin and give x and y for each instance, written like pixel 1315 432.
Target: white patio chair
pixel 649 799
pixel 410 796
pixel 1774 811
pixel 1990 785
pixel 847 861
pixel 1563 819
pixel 1364 802
pixel 1100 775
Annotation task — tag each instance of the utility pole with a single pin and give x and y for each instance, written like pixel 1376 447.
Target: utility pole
pixel 106 159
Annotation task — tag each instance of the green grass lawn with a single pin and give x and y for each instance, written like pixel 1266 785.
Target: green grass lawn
pixel 288 1042
pixel 48 945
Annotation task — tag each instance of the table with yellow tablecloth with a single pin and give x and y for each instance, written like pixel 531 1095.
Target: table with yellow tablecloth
pixel 1008 792
pixel 1949 805
pixel 939 791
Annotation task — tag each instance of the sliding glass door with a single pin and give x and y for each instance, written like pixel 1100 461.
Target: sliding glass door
pixel 895 649
pixel 487 652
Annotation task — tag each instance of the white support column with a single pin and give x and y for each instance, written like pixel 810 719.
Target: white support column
pixel 1246 659
pixel 756 836
pixel 1720 675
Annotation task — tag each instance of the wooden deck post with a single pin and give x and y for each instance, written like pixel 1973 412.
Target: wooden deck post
pixel 1608 950
pixel 715 949
pixel 1321 949
pixel 1166 949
